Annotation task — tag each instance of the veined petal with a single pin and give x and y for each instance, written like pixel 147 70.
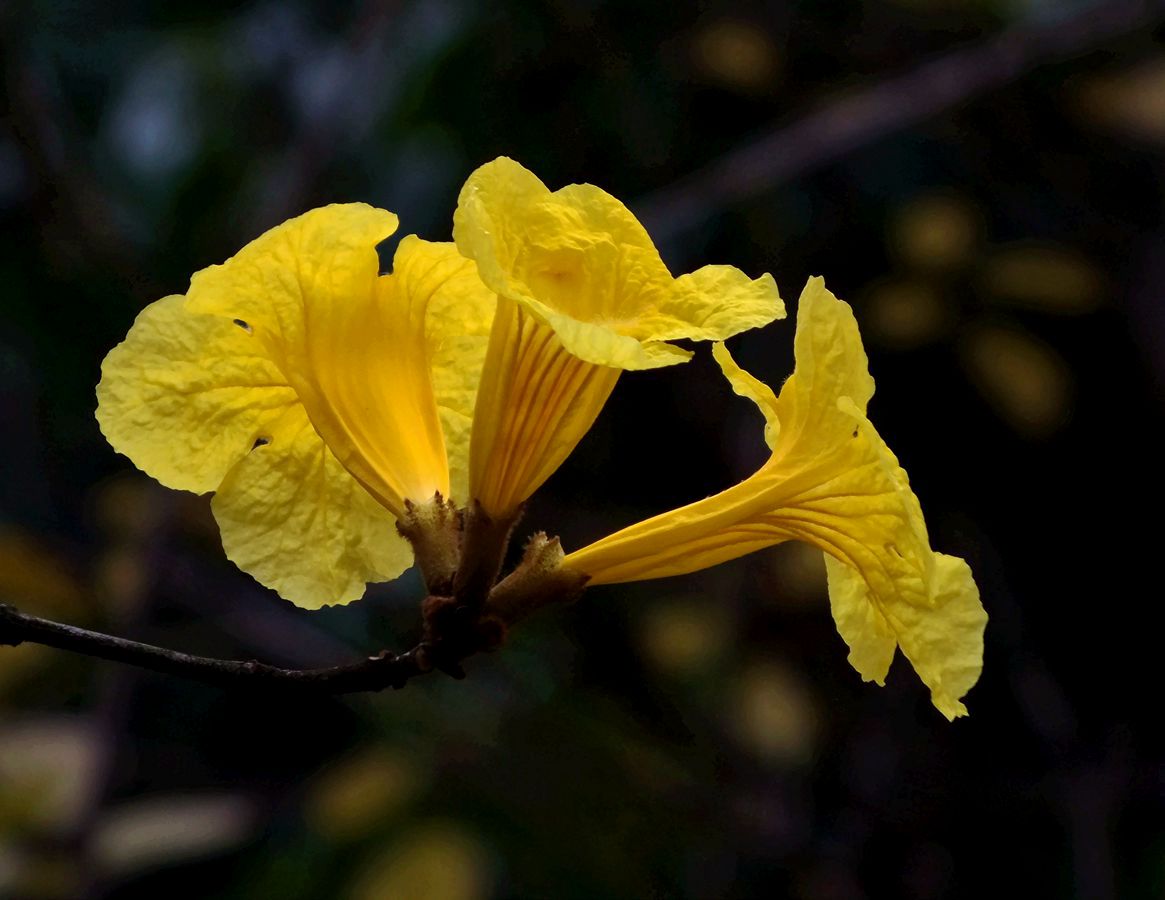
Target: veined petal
pixel 534 404
pixel 831 482
pixel 584 295
pixel 185 396
pixel 367 382
pixel 870 638
pixel 457 328
pixel 296 520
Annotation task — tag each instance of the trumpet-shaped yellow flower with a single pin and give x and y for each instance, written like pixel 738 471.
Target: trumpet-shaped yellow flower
pixel 582 296
pixel 312 394
pixel 831 481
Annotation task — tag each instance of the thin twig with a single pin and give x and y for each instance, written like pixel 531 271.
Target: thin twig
pixel 372 674
pixel 842 125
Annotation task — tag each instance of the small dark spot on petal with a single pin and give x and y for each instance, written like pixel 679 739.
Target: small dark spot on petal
pixel 260 442
pixel 855 434
pixel 243 325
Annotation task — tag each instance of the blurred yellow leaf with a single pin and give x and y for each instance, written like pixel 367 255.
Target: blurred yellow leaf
pixel 131 507
pixel 355 793
pixel 936 231
pixel 1044 277
pixel 905 314
pixel 1131 102
pixel 437 861
pixel 1026 381
pixel 35 578
pixel 681 637
pixel 774 715
pixel 48 768
pixel 122 578
pixel 736 54
pixel 170 829
pixel 39 582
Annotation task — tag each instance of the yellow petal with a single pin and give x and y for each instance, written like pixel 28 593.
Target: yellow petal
pixel 367 383
pixel 862 626
pixel 711 304
pixel 830 364
pixel 457 331
pixel 489 222
pixel 293 517
pixel 580 262
pixel 601 345
pixel 945 643
pixel 677 542
pixel 324 257
pixel 535 403
pixel 751 388
pixel 185 396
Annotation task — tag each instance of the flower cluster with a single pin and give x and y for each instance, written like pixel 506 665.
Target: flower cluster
pixel 348 421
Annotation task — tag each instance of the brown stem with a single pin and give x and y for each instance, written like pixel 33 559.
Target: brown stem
pixel 372 674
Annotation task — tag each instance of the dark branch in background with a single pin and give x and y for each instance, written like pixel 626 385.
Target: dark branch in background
pixel 842 125
pixel 371 674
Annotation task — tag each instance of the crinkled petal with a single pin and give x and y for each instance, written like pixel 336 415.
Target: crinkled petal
pixel 296 520
pixel 944 643
pixel 324 257
pixel 712 304
pixel 830 364
pixel 864 629
pixel 535 403
pixel 490 222
pixel 601 345
pixel 185 395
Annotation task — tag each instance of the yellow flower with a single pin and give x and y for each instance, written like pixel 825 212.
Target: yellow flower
pixel 313 395
pixel 582 296
pixel 833 482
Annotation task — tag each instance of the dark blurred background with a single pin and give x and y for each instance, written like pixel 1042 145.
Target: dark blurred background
pixel 980 178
